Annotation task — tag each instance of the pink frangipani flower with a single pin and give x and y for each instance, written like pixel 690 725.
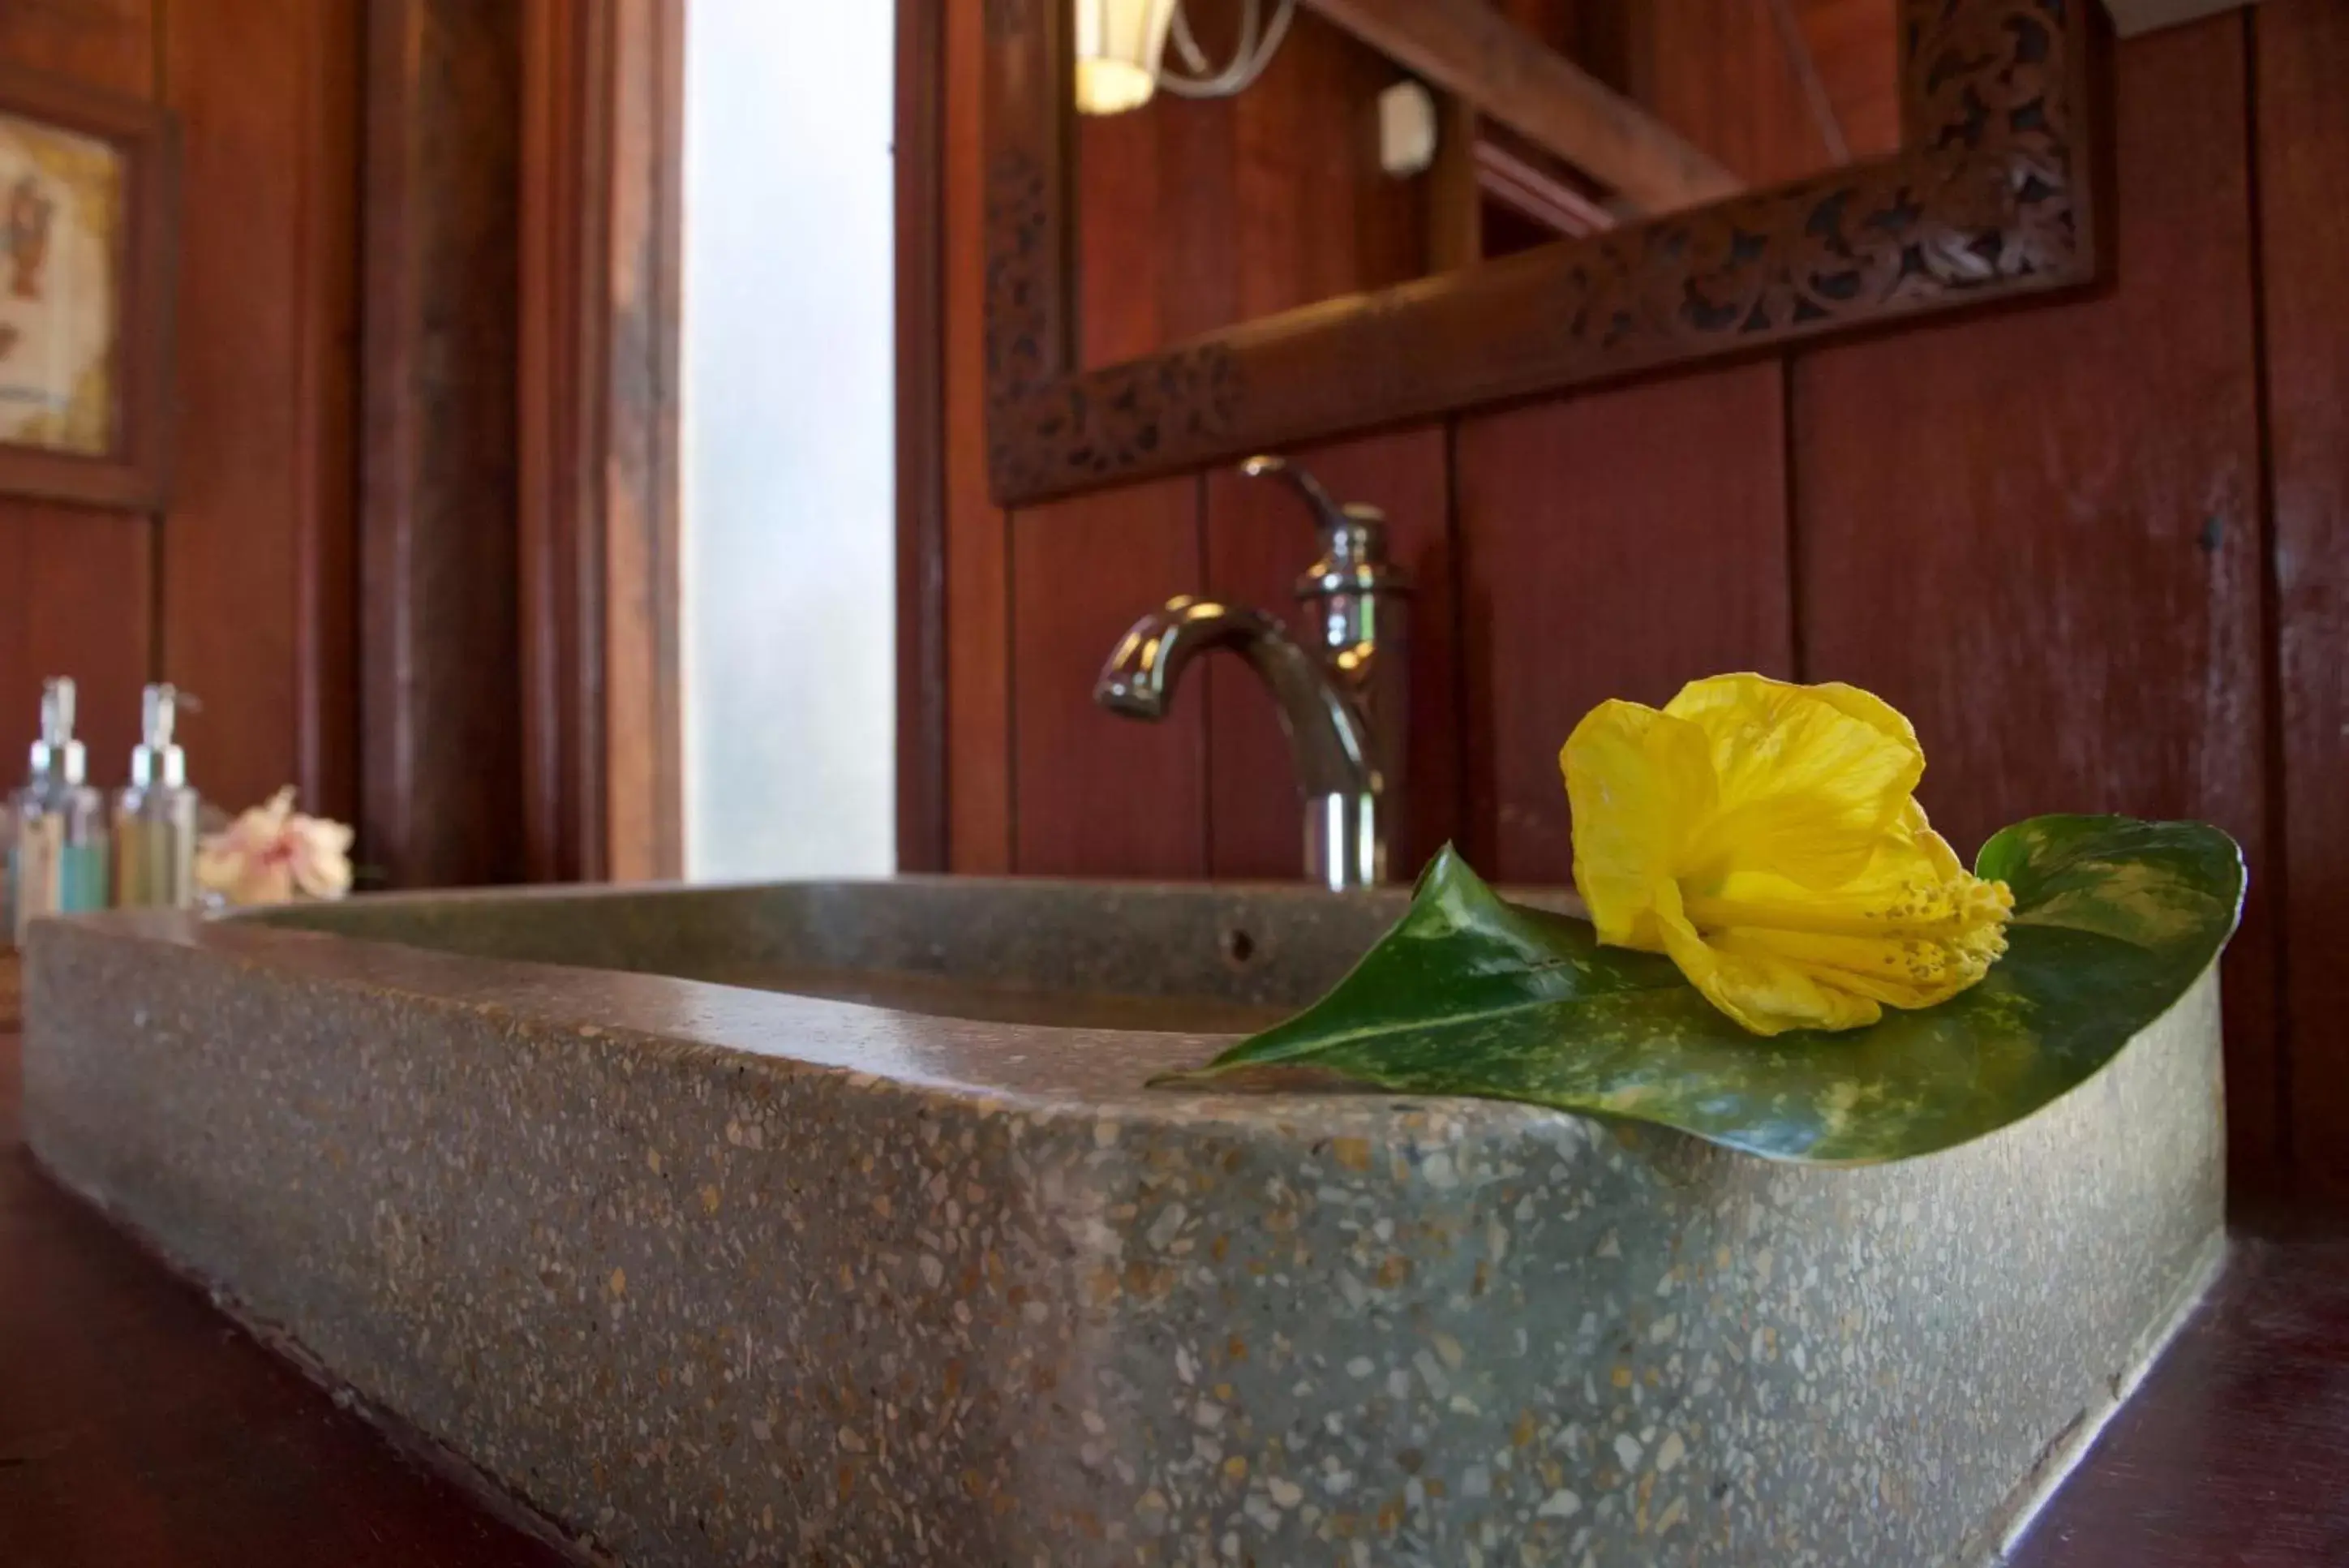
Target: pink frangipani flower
pixel 274 855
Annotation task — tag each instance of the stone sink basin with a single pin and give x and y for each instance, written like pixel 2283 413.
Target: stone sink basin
pixel 831 1223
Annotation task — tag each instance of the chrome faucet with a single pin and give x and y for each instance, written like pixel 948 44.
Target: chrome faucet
pixel 1342 707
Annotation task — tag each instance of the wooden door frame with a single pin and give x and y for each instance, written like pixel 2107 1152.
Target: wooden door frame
pixel 602 170
pixel 517 560
pixel 598 394
pixel 437 700
pixel 601 257
pixel 921 330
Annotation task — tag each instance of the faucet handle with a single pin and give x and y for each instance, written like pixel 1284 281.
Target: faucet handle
pixel 1353 536
pixel 1326 513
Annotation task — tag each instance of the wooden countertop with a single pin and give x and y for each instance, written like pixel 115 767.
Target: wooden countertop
pixel 2235 1453
pixel 140 1429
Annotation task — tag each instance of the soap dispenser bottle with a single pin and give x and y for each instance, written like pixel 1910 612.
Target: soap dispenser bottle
pixel 155 814
pixel 58 865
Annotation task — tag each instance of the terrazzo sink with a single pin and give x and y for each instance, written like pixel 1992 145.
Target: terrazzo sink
pixel 830 1225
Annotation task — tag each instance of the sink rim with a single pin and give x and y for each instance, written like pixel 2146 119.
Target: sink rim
pixel 1048 1071
pixel 1065 1073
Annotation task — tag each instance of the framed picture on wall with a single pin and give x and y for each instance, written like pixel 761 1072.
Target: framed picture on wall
pixel 87 198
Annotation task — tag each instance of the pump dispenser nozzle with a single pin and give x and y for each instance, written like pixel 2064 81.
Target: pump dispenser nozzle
pixel 56 754
pixel 155 815
pixel 155 760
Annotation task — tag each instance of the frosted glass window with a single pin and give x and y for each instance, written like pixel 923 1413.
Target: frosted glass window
pixel 790 575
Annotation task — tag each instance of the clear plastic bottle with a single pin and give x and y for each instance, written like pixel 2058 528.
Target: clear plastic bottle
pixel 57 863
pixel 155 815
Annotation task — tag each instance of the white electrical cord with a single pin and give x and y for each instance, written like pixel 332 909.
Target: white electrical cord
pixel 1258 42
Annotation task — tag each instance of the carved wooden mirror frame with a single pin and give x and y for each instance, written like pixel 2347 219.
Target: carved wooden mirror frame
pixel 1992 195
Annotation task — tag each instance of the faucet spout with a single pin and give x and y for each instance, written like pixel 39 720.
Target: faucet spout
pixel 1329 737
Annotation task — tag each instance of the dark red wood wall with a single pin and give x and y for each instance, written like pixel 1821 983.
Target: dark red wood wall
pixel 2098 550
pixel 241 589
pixel 1205 213
pixel 2299 55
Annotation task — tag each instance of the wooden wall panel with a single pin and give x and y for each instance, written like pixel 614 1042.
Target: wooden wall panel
pixel 1259 538
pixel 1317 216
pixel 108 44
pixel 1096 794
pixel 1856 47
pixel 265 310
pixel 1588 32
pixel 2303 177
pixel 1129 228
pixel 2039 535
pixel 324 390
pixel 76 587
pixel 1611 546
pixel 1199 213
pixel 1719 72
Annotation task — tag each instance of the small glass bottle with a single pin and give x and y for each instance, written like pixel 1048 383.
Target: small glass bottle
pixel 57 863
pixel 155 815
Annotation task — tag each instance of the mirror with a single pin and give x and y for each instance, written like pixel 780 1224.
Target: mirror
pixel 1612 188
pixel 1349 147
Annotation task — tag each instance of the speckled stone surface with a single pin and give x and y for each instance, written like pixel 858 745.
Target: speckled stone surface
pixel 719 1275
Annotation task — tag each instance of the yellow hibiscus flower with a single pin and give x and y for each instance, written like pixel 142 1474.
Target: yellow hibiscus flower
pixel 1766 835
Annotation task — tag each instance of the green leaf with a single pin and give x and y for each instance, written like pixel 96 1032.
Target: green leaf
pixel 1470 994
